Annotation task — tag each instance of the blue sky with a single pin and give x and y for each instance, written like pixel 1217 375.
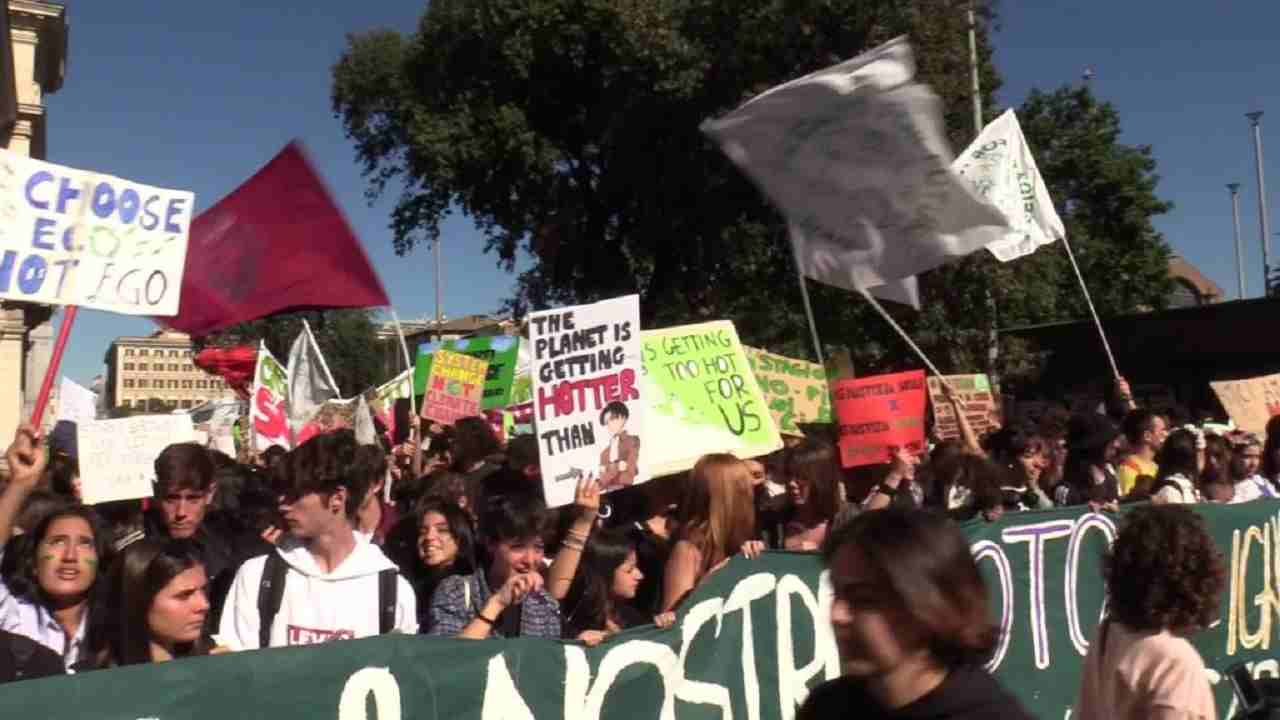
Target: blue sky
pixel 198 95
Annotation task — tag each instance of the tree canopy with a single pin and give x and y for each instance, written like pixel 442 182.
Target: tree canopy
pixel 569 129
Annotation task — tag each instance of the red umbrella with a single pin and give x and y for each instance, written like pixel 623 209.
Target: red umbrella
pixel 235 365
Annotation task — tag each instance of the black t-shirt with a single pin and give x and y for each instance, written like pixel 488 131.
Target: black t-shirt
pixel 22 658
pixel 968 693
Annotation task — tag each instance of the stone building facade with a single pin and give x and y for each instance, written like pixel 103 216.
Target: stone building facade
pixel 34 66
pixel 156 374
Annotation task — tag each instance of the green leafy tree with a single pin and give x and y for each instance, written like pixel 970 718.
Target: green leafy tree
pixel 568 129
pixel 347 338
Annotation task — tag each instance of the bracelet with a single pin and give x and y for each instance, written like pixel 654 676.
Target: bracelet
pixel 572 545
pixel 480 616
pixel 575 534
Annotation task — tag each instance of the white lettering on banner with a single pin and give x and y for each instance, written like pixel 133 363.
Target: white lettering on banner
pixel 1266 600
pixel 751 588
pixel 696 691
pixel 502 700
pixel 378 682
pixel 1036 535
pixel 792 681
pixel 630 653
pixel 983 550
pixel 1083 525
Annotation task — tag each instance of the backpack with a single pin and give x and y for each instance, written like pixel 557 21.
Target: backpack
pixel 271 593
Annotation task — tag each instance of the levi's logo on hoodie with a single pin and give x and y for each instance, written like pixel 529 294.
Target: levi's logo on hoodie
pixel 299 635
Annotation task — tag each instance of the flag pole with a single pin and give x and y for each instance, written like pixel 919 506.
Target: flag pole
pixel 55 360
pixel 894 324
pixel 404 348
pixel 311 337
pixel 804 295
pixel 1089 301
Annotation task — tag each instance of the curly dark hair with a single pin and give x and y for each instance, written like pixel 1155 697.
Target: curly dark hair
pixel 1163 571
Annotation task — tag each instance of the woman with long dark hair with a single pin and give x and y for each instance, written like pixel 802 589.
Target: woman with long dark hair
pixel 1181 460
pixel 48 598
pixel 154 607
pixel 446 546
pixel 911 622
pixel 599 601
pixel 815 491
pixel 1271 453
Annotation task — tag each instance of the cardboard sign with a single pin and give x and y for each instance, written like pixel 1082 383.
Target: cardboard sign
pixel 454 388
pixel 267 403
pixel 982 405
pixel 796 390
pixel 702 398
pixel 1250 403
pixel 117 457
pixel 73 237
pixel 877 413
pixel 589 408
pixel 500 351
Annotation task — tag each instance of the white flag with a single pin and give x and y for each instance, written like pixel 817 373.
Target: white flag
pixel 76 402
pixel 1000 168
pixel 856 157
pixel 310 383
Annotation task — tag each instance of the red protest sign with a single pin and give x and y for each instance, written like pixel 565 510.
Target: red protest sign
pixel 878 412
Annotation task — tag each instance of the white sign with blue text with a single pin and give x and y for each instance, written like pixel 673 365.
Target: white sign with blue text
pixel 73 237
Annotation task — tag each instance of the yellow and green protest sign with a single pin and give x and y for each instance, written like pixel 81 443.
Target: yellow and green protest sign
pixel 796 390
pixel 454 388
pixel 702 398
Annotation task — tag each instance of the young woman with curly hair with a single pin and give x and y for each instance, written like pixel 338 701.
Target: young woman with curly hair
pixel 1164 576
pixel 911 622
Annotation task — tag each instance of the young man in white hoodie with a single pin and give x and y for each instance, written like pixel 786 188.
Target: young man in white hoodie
pixel 324 582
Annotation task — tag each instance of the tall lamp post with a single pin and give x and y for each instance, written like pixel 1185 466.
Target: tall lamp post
pixel 1235 223
pixel 1264 221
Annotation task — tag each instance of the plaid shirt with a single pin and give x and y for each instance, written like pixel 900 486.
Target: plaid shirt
pixel 453 607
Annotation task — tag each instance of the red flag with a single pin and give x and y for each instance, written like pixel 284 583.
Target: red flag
pixel 276 243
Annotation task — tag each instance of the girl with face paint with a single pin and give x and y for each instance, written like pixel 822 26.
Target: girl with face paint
pixel 48 598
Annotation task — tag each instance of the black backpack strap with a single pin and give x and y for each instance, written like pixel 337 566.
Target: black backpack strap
pixel 387 581
pixel 270 594
pixel 22 653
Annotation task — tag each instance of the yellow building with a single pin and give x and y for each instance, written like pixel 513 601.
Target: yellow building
pixel 156 374
pixel 32 65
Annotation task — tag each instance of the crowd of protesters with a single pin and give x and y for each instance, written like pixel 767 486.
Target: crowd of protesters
pixel 334 540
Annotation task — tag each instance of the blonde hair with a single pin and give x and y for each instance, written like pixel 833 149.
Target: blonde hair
pixel 717 512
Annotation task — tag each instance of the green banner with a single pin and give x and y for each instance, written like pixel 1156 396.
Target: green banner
pixel 748 644
pixel 501 351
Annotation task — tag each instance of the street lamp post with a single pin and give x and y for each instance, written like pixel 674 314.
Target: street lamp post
pixel 1264 222
pixel 1235 223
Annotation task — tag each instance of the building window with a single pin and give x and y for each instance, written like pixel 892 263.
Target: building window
pixel 142 366
pixel 186 404
pixel 173 384
pixel 186 384
pixel 128 383
pixel 128 352
pixel 128 366
pixel 201 384
pixel 144 352
pixel 142 383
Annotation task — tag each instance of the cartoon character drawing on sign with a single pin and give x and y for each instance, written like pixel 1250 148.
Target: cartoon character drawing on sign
pixel 618 461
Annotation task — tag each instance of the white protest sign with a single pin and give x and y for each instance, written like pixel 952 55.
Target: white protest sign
pixel 221 426
pixel 76 402
pixel 587 397
pixel 72 237
pixel 117 457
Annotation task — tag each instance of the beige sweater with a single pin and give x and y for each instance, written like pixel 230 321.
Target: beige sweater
pixel 1140 673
